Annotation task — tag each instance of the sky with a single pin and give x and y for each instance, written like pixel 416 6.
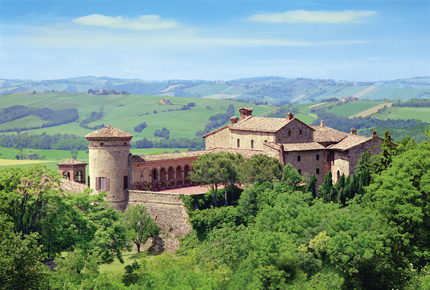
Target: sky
pixel 215 40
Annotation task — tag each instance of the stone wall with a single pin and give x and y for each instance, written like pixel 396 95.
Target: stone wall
pixel 291 133
pixel 247 138
pixel 340 165
pixel 169 213
pixel 308 163
pixel 374 145
pixel 72 186
pixel 221 138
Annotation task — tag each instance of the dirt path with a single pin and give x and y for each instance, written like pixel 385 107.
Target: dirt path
pixel 371 110
pixel 363 92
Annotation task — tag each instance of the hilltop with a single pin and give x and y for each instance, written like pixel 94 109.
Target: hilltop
pixel 274 90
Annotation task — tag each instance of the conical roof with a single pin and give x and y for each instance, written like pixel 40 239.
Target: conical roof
pixel 108 132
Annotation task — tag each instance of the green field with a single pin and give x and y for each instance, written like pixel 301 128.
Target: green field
pixel 52 157
pixel 405 113
pixel 305 118
pixel 352 108
pixel 125 112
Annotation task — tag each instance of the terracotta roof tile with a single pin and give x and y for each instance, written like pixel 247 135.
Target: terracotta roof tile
pixel 72 161
pixel 349 142
pixel 167 156
pixel 303 146
pixel 327 134
pixel 109 132
pixel 260 124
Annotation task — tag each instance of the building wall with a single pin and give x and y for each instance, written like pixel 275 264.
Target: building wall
pixel 245 138
pixel 374 145
pixel 340 164
pixel 308 163
pixel 110 160
pixel 167 210
pixel 291 133
pixel 221 138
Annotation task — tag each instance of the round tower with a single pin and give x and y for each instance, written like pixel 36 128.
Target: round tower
pixel 108 164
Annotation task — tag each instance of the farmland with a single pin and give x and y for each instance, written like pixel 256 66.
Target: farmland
pixel 422 114
pixel 353 108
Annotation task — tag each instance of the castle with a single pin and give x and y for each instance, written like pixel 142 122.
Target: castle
pixel 310 149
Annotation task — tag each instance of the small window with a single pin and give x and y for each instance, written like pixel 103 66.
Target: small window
pixel 238 143
pixel 125 182
pixel 289 133
pixel 318 157
pixel 298 158
pixel 300 132
pixel 125 143
pixel 252 143
pixel 317 171
pixel 88 181
pixel 300 172
pixel 101 144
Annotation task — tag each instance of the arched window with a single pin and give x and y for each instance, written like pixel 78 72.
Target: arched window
pixel 338 176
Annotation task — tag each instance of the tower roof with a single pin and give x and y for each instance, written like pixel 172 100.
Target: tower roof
pixel 72 161
pixel 109 132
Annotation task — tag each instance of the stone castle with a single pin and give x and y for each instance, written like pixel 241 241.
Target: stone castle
pixel 310 149
pixel 112 168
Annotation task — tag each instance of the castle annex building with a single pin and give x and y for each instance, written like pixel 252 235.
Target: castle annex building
pixel 310 149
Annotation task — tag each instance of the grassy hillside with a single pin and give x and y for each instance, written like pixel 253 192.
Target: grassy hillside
pixel 405 113
pixel 125 112
pixel 352 108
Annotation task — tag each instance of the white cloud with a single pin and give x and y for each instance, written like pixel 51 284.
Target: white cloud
pixel 304 16
pixel 143 23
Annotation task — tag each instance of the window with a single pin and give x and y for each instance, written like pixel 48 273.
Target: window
pixel 125 182
pixel 102 183
pixel 289 133
pixel 101 144
pixel 88 181
pixel 300 172
pixel 298 158
pixel 252 143
pixel 300 132
pixel 317 171
pixel 238 143
pixel 318 157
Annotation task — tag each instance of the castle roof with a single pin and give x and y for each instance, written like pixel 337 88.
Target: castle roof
pixel 303 146
pixel 109 132
pixel 168 156
pixel 259 124
pixel 327 134
pixel 349 142
pixel 72 161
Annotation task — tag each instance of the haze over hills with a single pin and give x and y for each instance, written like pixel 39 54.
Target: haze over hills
pixel 273 90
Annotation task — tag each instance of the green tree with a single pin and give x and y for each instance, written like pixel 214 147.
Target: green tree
pixel 74 153
pixel 311 185
pixel 139 225
pixel 260 168
pixel 206 172
pixel 401 196
pixel 291 176
pixel 327 187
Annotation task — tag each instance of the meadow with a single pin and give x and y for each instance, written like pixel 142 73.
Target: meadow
pixel 352 108
pixel 126 111
pixel 422 114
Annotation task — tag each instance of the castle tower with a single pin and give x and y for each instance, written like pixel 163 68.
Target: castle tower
pixel 108 164
pixel 73 170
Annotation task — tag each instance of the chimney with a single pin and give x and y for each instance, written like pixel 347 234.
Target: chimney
pixel 373 134
pixel 234 119
pixel 322 123
pixel 245 112
pixel 290 116
pixel 353 131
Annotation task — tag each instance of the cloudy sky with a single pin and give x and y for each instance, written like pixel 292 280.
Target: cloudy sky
pixel 215 40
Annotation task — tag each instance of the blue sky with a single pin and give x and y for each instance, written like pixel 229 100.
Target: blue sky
pixel 215 40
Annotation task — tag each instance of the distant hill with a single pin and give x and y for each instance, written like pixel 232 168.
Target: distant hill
pixel 273 90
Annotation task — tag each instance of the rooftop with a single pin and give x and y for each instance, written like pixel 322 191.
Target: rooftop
pixel 72 161
pixel 109 132
pixel 260 124
pixel 168 156
pixel 327 134
pixel 303 146
pixel 349 142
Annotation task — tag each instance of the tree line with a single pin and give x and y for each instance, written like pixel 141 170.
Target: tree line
pixel 217 120
pixel 420 103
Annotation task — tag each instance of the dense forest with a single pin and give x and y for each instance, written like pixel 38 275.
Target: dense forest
pixel 368 231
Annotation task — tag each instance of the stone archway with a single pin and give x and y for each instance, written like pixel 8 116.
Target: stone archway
pixel 338 176
pixel 171 173
pixel 187 169
pixel 178 171
pixel 66 174
pixel 154 174
pixel 162 173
